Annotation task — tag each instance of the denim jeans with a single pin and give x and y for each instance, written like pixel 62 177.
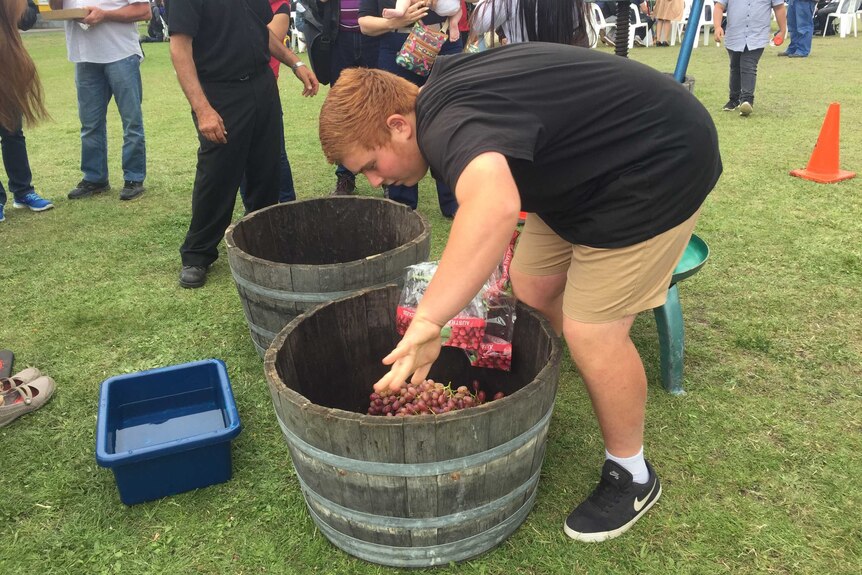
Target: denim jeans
pixel 351 50
pixel 743 74
pixel 96 83
pixel 17 164
pixel 390 44
pixel 800 24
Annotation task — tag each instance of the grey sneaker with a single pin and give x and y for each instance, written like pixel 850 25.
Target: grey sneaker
pixel 132 190
pixel 746 108
pixel 85 189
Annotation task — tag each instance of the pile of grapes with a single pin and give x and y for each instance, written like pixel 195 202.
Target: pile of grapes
pixel 428 397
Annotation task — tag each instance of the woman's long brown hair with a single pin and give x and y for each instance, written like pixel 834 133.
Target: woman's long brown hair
pixel 20 89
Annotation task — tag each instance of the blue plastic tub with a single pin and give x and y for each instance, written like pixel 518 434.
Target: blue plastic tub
pixel 167 430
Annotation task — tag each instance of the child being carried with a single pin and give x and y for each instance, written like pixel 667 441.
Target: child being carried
pixel 451 9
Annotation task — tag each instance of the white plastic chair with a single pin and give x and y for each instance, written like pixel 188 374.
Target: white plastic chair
pixel 636 23
pixel 705 22
pixel 846 16
pixel 601 23
pixel 677 26
pixel 297 38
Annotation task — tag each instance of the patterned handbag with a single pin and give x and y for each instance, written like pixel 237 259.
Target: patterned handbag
pixel 420 49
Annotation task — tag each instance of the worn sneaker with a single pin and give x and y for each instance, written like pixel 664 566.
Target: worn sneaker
pixel 731 106
pixel 344 187
pixel 746 108
pixel 193 276
pixel 638 41
pixel 85 189
pixel 614 505
pixel 132 190
pixel 34 201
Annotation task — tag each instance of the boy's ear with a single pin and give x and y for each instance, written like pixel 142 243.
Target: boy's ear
pixel 399 125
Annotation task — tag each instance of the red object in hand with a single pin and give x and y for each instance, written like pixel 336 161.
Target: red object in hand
pixel 778 39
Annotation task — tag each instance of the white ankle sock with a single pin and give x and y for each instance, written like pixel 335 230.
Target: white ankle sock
pixel 636 465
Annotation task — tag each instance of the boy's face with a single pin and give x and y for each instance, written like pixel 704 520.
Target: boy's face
pixel 398 163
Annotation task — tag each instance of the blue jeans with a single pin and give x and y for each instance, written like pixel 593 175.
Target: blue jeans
pixel 17 164
pixel 390 44
pixel 96 83
pixel 351 50
pixel 800 24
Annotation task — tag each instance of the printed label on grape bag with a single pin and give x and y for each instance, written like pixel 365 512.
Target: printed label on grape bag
pixel 464 332
pixel 494 353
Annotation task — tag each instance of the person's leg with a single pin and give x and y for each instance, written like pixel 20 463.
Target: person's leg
pixel 399 10
pixel 219 171
pixel 286 192
pixel 124 78
pixel 605 290
pixel 804 26
pixel 734 82
pixel 94 93
pixel 454 34
pixel 791 28
pixel 748 74
pixel 17 163
pixel 344 51
pixel 262 168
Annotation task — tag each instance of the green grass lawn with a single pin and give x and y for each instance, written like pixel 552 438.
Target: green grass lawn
pixel 760 460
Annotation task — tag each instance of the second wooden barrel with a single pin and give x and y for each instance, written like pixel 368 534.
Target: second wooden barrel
pixel 289 258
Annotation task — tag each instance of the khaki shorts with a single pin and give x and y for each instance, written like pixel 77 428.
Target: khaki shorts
pixel 604 285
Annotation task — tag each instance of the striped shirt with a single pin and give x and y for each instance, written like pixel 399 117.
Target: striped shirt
pixel 349 16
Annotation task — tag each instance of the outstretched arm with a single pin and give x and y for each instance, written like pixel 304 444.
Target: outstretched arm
pixel 488 205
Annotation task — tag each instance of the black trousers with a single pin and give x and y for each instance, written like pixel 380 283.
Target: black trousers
pixel 743 74
pixel 251 112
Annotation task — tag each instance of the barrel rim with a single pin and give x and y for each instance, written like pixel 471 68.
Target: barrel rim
pixel 234 251
pixel 299 400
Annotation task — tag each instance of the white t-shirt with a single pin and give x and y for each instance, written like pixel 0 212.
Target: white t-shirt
pixel 105 42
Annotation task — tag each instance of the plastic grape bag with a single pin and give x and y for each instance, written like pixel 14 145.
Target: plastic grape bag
pixel 466 330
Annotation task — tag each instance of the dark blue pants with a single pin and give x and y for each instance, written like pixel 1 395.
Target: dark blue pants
pixel 16 162
pixel 352 50
pixel 390 44
pixel 743 74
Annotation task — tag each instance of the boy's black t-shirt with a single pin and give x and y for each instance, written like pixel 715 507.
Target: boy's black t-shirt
pixel 607 151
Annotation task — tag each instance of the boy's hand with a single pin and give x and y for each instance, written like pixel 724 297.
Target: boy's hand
pixel 719 33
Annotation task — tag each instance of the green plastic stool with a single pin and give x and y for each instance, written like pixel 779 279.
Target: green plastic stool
pixel 668 318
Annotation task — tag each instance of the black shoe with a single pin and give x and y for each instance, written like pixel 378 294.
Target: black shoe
pixel 85 189
pixel 345 186
pixel 132 190
pixel 731 106
pixel 193 276
pixel 614 505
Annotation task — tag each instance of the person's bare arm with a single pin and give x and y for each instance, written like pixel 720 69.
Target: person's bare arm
pixel 781 17
pixel 488 206
pixel 377 26
pixel 285 55
pixel 717 13
pixel 131 13
pixel 210 123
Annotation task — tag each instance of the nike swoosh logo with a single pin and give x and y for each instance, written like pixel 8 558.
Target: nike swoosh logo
pixel 639 503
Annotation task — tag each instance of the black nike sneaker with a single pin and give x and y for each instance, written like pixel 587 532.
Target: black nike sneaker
pixel 614 505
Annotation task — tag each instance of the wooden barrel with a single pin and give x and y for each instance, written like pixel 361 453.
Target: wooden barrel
pixel 289 258
pixel 410 491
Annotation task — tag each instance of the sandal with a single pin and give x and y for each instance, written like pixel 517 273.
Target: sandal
pixel 20 378
pixel 25 398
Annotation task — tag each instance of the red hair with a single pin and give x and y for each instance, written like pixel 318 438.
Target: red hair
pixel 355 110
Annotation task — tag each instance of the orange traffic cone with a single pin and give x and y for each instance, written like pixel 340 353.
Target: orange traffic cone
pixel 823 165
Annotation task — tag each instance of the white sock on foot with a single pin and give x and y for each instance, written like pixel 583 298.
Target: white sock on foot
pixel 636 465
